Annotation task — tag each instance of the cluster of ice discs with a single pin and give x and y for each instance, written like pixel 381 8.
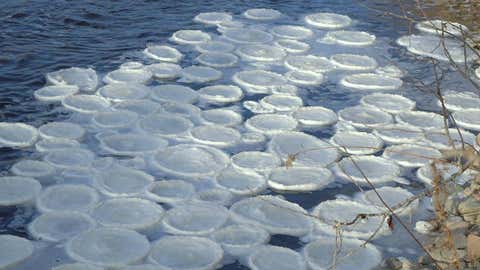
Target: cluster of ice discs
pixel 158 169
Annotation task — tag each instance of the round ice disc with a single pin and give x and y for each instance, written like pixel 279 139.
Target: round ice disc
pixel 33 168
pixel 458 101
pixel 240 240
pixel 255 160
pixel 163 53
pixel 371 82
pixel 315 116
pixel 348 61
pixel 18 190
pixel 195 219
pixel 77 266
pixel 445 170
pixel 275 257
pixel 14 250
pixel 67 197
pixel 271 124
pixel 215 135
pixel 440 27
pixel 222 117
pixel 217 196
pixel 123 91
pixel 190 37
pixel 390 70
pixel 114 119
pixel 419 119
pixel 411 155
pixel 260 52
pixel 165 71
pixel 326 20
pixel 212 17
pixel 167 125
pixel 217 60
pixel 170 191
pixel 468 119
pixel 220 94
pixel 399 133
pixel 299 179
pixel 309 63
pixel 304 78
pixel 258 79
pixel 70 157
pixel 128 75
pixel 132 144
pixel 170 251
pixel 439 139
pixel 55 93
pixel 357 143
pixel 364 117
pixel 392 196
pixel 120 181
pixel 387 102
pixel 223 26
pixel 108 247
pixel 281 103
pixel 201 74
pixel 182 109
pixel 174 93
pixel 215 47
pixel 256 108
pixel 291 32
pixel 377 170
pixel 141 107
pixel 273 214
pixel 292 46
pixel 84 78
pixel 262 14
pixel 241 182
pixel 61 130
pixel 86 103
pixel 59 226
pixel 190 160
pixel 17 134
pixel 350 38
pixel 247 36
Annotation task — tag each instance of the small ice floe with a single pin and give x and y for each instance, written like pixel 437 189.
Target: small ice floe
pixel 136 75
pixel 170 191
pixel 114 119
pixel 271 124
pixel 281 103
pixel 399 133
pixel 291 32
pixel 130 144
pixel 212 17
pixel 59 226
pixel 77 266
pixel 108 247
pixel 387 102
pixel 304 78
pixel 364 117
pixel 195 218
pixel 260 53
pixel 468 119
pixel 315 116
pixel 217 59
pixel 86 104
pixel 17 135
pixel 377 170
pixel 55 93
pixel 192 161
pixel 357 143
pixel 163 53
pixel 200 74
pixel 70 157
pixel 353 254
pixel 273 214
pixel 241 182
pixel 143 216
pixel 258 81
pixel 348 38
pixel 217 196
pixel 40 170
pixel 222 117
pixel 220 94
pixel 123 91
pixel 170 251
pixel 67 197
pixel 257 108
pixel 119 181
pixel 84 78
pixel 371 82
pixel 186 110
pixel 299 179
pixel 165 71
pixel 174 93
pixel 306 149
pixel 445 171
pixel 190 37
pixel 14 250
pixel 458 101
pixel 439 139
pixel 442 28
pixel 347 61
pixel 61 130
pixel 260 162
pixel 141 107
pixel 331 212
pixel 411 155
pixel 419 119
pixel 215 135
pixel 166 125
pixel 326 20
pixel 390 70
pixel 392 196
pixel 275 257
pixel 292 46
pixel 240 240
pixel 309 63
pixel 247 36
pixel 262 14
pixel 18 191
pixel 215 47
